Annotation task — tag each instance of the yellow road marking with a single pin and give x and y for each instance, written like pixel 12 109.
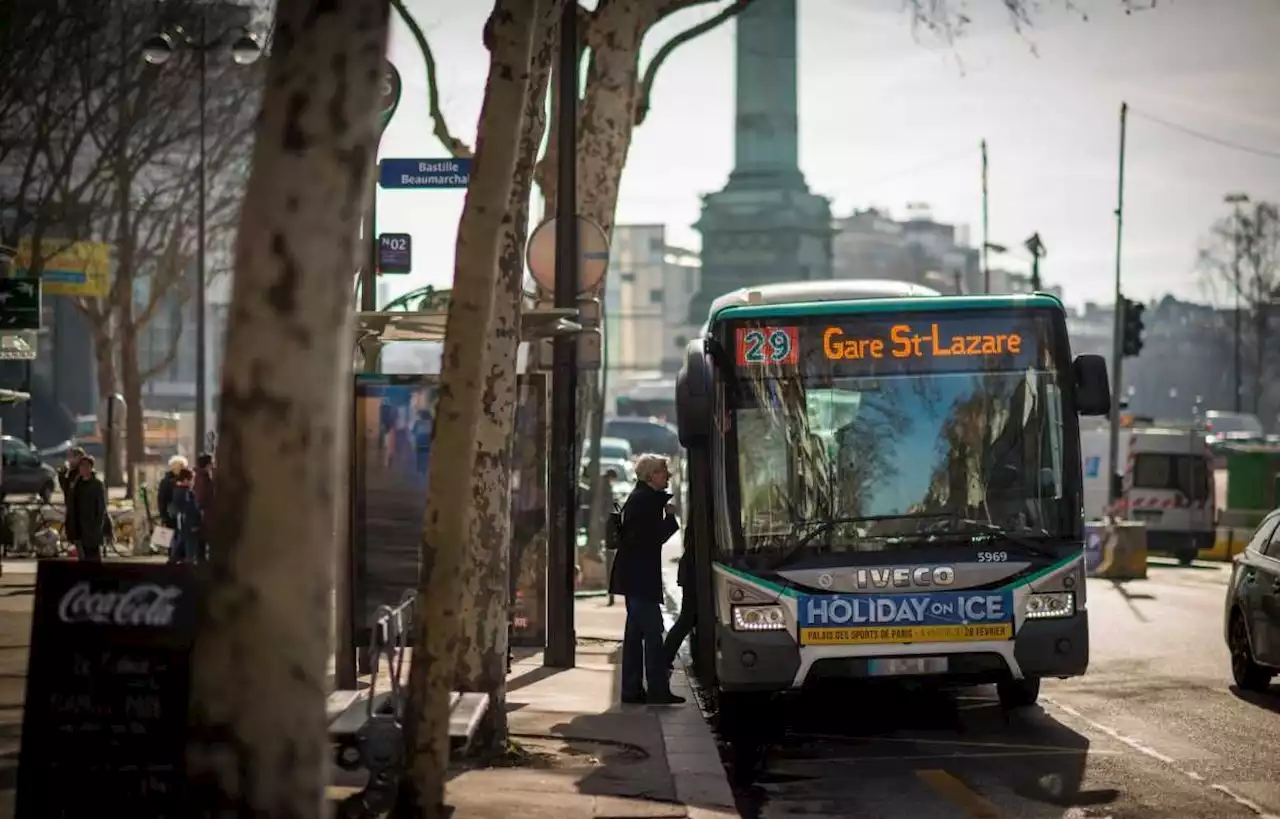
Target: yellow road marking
pixel 974 743
pixel 953 790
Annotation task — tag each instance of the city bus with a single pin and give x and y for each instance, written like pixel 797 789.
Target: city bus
pixel 885 483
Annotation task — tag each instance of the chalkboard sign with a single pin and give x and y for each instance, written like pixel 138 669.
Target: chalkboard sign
pixel 104 723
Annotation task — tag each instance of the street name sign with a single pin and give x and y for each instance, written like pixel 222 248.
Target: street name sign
pixel 395 253
pixel 424 174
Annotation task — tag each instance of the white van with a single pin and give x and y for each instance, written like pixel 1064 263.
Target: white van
pixel 1167 483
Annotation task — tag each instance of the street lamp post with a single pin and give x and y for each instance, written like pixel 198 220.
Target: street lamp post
pixel 1237 238
pixel 245 48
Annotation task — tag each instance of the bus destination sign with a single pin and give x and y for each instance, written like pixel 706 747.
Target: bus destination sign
pixel 876 345
pixel 916 341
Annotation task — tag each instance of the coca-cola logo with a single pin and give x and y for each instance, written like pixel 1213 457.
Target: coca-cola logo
pixel 146 604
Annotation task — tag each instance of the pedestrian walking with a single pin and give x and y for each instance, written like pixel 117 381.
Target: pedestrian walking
pixel 688 610
pixel 185 512
pixel 647 522
pixel 610 543
pixel 89 510
pixel 205 488
pixel 68 474
pixel 164 494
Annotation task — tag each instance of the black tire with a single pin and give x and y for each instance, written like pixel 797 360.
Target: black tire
pixel 1187 556
pixel 347 756
pixel 733 712
pixel 1019 693
pixel 742 722
pixel 46 492
pixel 1249 676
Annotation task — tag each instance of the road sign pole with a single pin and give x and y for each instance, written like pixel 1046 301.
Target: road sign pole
pixel 562 544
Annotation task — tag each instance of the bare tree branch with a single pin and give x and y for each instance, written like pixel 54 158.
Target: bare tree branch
pixel 171 350
pixel 1241 258
pixel 440 127
pixel 692 33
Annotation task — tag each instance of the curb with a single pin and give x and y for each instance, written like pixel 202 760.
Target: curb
pixel 691 749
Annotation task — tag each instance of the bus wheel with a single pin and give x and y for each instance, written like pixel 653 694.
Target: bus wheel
pixel 1187 556
pixel 734 713
pixel 743 722
pixel 1019 693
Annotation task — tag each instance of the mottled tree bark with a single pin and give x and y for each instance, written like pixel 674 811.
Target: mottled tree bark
pixel 259 745
pixel 461 405
pixel 104 356
pixel 614 102
pixel 482 638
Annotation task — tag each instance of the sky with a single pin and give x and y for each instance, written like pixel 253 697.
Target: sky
pixel 889 116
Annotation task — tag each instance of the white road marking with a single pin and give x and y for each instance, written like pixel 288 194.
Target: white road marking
pixel 1148 751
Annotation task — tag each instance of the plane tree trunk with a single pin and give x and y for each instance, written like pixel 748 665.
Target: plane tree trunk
pixel 486 218
pixel 258 745
pixel 485 605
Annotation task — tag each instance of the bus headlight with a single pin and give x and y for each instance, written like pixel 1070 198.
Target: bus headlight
pixel 759 618
pixel 1047 605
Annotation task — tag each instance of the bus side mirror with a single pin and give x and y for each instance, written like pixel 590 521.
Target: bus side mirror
pixel 1093 390
pixel 693 394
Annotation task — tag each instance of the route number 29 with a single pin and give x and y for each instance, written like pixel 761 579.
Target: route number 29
pixel 993 557
pixel 762 346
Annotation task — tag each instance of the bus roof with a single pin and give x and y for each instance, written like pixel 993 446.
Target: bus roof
pixel 871 304
pixel 816 291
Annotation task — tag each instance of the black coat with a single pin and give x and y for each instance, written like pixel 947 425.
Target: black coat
pixel 67 478
pixel 646 525
pixel 89 509
pixel 164 497
pixel 684 573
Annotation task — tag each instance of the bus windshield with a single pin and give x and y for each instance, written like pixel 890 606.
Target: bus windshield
pixel 887 450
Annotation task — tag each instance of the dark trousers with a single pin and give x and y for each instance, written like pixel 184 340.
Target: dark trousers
pixel 680 629
pixel 642 658
pixel 183 549
pixel 89 551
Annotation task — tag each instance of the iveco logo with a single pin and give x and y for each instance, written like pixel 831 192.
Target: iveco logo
pixel 901 578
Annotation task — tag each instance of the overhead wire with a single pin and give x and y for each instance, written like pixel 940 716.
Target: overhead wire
pixel 1209 138
pixel 945 159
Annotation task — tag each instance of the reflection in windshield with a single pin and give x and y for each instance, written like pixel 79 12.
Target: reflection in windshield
pixel 983 445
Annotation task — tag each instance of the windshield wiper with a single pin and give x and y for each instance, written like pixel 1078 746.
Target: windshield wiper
pixel 995 530
pixel 827 524
pixel 824 525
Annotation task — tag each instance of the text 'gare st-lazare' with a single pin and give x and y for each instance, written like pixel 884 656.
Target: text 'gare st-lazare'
pixel 905 342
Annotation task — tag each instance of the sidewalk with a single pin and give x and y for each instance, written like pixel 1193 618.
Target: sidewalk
pixel 588 756
pixel 622 760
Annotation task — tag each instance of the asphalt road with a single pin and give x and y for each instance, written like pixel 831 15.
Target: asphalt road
pixel 1153 731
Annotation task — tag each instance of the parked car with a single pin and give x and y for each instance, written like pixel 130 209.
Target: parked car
pixel 645 434
pixel 1253 608
pixel 24 473
pixel 616 449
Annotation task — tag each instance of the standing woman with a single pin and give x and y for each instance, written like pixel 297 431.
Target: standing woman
pixel 648 521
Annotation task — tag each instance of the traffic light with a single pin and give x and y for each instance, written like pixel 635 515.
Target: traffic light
pixel 1131 340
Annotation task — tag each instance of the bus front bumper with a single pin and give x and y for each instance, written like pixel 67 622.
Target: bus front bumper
pixel 772 661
